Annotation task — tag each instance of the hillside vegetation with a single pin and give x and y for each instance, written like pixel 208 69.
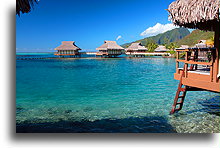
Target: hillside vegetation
pixel 194 37
pixel 175 38
pixel 164 38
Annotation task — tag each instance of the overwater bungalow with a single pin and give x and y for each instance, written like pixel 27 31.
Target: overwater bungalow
pixel 183 46
pixel 67 49
pixel 161 48
pixel 109 49
pixel 136 49
pixel 198 73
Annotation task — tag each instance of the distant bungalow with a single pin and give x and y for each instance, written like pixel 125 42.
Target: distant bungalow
pixel 183 47
pixel 67 48
pixel 201 44
pixel 136 48
pixel 161 49
pixel 109 49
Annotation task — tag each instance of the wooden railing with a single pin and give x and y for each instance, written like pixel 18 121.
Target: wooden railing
pixel 190 57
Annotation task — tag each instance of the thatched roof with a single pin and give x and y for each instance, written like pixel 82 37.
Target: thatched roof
pixel 67 45
pixel 136 46
pixel 24 6
pixel 183 47
pixel 201 14
pixel 161 49
pixel 109 45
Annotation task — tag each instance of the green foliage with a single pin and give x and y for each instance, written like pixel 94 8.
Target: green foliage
pixel 151 46
pixel 171 52
pixel 164 38
pixel 195 36
pixel 182 55
pixel 126 46
pixel 170 36
pixel 166 41
pixel 172 46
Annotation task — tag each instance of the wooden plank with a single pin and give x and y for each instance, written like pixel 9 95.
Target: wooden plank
pixel 198 63
pixel 209 86
pixel 193 62
pixel 197 76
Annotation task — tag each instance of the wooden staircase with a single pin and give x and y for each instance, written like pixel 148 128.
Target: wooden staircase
pixel 180 96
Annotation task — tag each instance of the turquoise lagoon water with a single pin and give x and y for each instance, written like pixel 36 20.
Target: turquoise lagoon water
pixel 107 95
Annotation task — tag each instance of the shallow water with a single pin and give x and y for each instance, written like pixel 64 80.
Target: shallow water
pixel 107 95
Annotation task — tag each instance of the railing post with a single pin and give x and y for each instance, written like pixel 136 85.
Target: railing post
pixel 186 65
pixel 177 62
pixel 177 67
pixel 211 66
pixel 211 73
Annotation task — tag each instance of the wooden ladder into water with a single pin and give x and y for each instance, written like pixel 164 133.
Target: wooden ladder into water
pixel 180 96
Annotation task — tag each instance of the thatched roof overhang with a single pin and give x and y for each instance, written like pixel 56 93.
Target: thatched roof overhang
pixel 24 6
pixel 195 14
pixel 136 46
pixel 110 45
pixel 161 49
pixel 67 45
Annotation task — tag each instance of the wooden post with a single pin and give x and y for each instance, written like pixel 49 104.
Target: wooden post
pixel 177 63
pixel 216 60
pixel 186 65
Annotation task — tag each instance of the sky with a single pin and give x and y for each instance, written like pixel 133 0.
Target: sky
pixel 89 23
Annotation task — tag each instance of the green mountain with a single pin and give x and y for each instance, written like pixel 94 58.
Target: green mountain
pixel 164 38
pixel 194 37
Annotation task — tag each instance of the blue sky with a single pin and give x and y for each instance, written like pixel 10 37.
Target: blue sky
pixel 89 23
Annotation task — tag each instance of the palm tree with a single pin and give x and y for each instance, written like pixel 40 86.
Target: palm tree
pixel 171 46
pixel 151 46
pixel 24 6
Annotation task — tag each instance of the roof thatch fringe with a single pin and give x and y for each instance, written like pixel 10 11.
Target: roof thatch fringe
pixel 67 45
pixel 24 6
pixel 161 48
pixel 110 45
pixel 136 46
pixel 201 14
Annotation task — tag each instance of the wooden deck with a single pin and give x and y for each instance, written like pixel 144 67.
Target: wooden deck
pixel 198 80
pixel 204 76
pixel 199 72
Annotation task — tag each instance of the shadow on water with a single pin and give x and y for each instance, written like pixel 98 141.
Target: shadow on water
pixel 212 106
pixel 127 125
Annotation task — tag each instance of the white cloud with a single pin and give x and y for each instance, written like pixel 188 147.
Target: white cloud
pixel 118 37
pixel 157 29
